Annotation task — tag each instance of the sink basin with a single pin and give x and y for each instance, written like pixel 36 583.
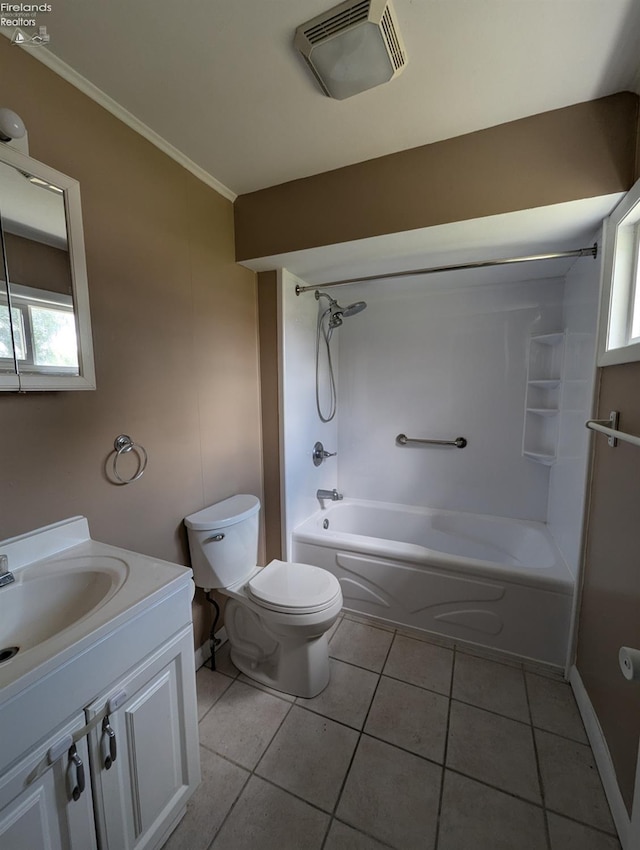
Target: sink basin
pixel 43 602
pixel 69 593
pixel 81 614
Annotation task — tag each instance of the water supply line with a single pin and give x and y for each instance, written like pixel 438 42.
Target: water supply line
pixel 213 640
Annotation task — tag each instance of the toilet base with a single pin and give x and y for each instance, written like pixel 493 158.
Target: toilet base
pixel 295 663
pixel 300 674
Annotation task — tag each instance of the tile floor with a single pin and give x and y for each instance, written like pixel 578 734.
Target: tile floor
pixel 412 745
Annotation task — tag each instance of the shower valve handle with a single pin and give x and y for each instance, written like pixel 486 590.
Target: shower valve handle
pixel 319 454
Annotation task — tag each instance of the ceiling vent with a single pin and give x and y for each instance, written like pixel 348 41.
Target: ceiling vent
pixel 353 47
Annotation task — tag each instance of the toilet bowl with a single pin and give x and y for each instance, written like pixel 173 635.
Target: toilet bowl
pixel 276 616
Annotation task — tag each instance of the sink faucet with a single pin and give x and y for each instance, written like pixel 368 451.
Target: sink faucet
pixel 5 576
pixel 329 494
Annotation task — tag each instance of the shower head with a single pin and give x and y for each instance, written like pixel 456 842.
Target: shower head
pixel 354 309
pixel 337 312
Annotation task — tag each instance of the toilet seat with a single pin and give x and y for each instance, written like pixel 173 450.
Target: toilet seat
pixel 293 588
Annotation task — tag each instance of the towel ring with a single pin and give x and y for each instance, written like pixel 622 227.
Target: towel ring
pixel 122 445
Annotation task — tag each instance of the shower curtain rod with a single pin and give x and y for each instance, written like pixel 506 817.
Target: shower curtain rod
pixel 580 252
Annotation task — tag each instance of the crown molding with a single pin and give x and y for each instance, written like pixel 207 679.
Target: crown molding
pixel 86 87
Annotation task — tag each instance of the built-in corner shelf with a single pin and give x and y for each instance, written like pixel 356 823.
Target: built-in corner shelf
pixel 542 401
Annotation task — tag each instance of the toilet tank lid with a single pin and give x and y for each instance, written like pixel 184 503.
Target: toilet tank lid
pixel 228 512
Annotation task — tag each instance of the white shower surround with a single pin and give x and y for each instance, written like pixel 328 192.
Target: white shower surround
pixel 495 582
pixel 441 363
pixel 445 358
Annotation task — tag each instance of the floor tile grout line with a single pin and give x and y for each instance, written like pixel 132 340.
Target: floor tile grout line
pixel 363 621
pixel 318 713
pixel 231 681
pixel 274 784
pixel 360 733
pixel 243 766
pixel 255 687
pixel 360 831
pixel 538 768
pixel 444 754
pixel 597 829
pixel 508 793
pixel 407 682
pixel 380 674
pixel 361 666
pixel 231 808
pixel 226 758
pixel 456 650
pixel 271 740
pixel 251 773
pixel 326 833
pixel 457 771
pixel 361 730
pixel 332 815
pixel 515 719
pixel 293 794
pixel 511 665
pixel 536 668
pixel 353 755
pixel 259 687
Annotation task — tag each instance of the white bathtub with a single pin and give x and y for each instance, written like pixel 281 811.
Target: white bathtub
pixel 496 582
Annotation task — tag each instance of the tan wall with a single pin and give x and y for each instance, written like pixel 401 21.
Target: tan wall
pixel 610 615
pixel 577 152
pixel 268 308
pixel 610 605
pixel 175 339
pixel 32 263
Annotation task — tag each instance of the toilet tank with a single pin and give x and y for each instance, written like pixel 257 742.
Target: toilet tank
pixel 223 541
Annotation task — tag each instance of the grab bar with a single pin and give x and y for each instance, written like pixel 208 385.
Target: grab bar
pixel 459 442
pixel 610 428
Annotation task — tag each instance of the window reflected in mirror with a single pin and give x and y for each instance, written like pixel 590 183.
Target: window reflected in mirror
pixel 42 329
pixel 45 334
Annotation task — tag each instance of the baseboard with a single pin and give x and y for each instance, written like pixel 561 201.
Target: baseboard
pixel 203 652
pixel 603 758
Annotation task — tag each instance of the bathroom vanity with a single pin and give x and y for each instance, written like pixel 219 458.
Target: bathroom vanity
pixel 98 725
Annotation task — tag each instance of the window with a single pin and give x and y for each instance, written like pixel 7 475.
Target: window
pixel 44 331
pixel 619 334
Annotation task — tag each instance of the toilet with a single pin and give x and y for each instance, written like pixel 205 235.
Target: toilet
pixel 276 616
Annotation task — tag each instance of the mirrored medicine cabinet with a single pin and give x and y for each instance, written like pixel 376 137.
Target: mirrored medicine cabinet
pixel 45 326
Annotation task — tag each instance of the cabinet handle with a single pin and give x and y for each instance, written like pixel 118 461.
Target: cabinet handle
pixel 108 743
pixel 76 761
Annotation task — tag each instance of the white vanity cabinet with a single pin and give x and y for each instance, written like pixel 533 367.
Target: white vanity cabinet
pixel 121 675
pixel 147 720
pixel 37 810
pixel 149 725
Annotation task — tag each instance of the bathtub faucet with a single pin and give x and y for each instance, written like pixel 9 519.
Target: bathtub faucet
pixel 329 494
pixel 5 576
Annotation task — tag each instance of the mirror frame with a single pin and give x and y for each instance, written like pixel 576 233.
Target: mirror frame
pixel 86 379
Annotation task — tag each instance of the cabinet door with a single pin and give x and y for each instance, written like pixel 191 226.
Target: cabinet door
pixel 156 769
pixel 37 811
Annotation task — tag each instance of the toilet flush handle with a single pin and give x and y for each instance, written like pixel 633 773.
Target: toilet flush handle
pixel 215 539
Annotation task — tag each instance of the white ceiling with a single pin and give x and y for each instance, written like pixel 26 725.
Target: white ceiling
pixel 31 211
pixel 222 83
